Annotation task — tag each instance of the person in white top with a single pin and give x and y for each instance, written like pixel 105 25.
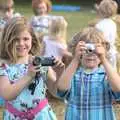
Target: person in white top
pixel 105 11
pixel 40 21
pixel 42 17
pixel 55 43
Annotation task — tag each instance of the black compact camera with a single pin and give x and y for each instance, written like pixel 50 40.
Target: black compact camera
pixel 90 48
pixel 44 61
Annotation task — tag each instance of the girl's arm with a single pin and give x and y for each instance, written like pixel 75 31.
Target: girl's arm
pixel 53 74
pixel 10 91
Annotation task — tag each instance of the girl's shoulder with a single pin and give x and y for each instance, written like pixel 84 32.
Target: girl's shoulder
pixel 2 61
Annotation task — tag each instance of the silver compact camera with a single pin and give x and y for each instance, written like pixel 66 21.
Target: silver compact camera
pixel 90 48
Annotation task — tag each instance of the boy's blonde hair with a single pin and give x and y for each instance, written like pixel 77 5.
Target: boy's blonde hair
pixel 89 34
pixel 35 3
pixel 58 28
pixel 10 34
pixel 107 8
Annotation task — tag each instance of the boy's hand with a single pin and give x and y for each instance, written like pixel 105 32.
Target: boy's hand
pixel 80 50
pixel 100 51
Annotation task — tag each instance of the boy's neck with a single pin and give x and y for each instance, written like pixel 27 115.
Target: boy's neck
pixel 90 70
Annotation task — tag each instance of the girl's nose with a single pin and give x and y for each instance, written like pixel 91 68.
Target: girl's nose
pixel 20 42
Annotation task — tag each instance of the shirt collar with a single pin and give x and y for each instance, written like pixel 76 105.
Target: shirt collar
pixel 98 70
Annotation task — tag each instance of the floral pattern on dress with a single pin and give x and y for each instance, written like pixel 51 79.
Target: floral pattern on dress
pixel 25 100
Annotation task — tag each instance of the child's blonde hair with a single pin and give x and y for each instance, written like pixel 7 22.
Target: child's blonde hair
pixel 89 34
pixel 107 8
pixel 58 28
pixel 10 34
pixel 35 3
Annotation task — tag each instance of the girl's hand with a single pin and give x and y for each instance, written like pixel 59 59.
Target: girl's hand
pixel 59 66
pixel 100 51
pixel 80 50
pixel 32 70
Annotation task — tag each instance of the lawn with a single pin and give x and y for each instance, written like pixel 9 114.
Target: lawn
pixel 76 20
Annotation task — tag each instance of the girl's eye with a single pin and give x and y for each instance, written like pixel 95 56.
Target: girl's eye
pixel 26 38
pixel 17 39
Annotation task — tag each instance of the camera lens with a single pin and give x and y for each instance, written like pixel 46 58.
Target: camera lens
pixel 36 61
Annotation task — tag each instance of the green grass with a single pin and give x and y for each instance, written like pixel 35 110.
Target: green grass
pixel 76 20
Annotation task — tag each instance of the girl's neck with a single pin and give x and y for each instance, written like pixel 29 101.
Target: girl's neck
pixel 23 60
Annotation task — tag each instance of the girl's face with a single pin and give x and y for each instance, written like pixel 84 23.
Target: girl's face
pixel 23 43
pixel 90 61
pixel 41 8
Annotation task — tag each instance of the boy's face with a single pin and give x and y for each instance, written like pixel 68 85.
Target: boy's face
pixel 6 11
pixel 90 61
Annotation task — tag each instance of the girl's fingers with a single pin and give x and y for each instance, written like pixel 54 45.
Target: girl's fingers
pixel 58 63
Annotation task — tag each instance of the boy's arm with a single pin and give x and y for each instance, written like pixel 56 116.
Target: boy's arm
pixel 64 81
pixel 112 74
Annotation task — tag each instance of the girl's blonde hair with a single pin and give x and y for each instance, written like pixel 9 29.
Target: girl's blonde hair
pixel 9 37
pixel 89 34
pixel 107 8
pixel 35 3
pixel 58 28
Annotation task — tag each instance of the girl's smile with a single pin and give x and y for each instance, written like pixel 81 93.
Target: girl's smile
pixel 23 44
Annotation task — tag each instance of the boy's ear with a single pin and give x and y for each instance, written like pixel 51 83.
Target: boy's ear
pixel 107 44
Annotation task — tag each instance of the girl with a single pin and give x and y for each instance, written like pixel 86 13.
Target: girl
pixel 41 9
pixel 40 22
pixel 56 40
pixel 6 13
pixel 23 84
pixel 89 80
